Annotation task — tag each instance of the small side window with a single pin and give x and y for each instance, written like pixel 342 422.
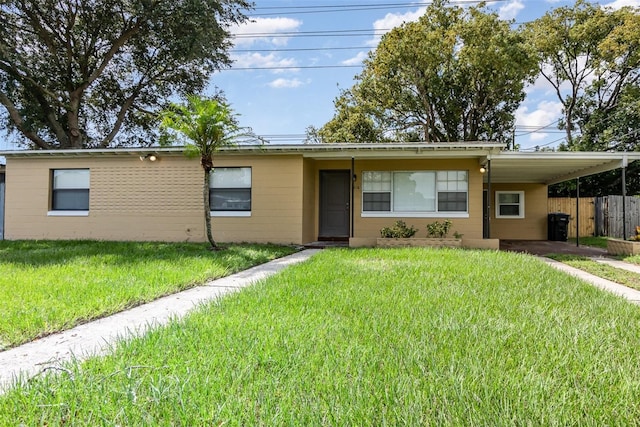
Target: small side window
pixel 509 204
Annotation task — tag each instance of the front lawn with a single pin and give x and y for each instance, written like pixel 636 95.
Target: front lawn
pixel 49 286
pixel 633 259
pixel 369 337
pixel 617 275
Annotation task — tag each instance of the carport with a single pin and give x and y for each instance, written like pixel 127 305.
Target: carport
pixel 550 168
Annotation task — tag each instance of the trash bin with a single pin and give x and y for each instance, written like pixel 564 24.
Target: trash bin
pixel 558 226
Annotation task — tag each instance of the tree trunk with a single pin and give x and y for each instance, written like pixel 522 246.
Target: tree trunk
pixel 207 208
pixel 73 121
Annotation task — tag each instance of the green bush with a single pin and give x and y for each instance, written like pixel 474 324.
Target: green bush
pixel 439 229
pixel 399 230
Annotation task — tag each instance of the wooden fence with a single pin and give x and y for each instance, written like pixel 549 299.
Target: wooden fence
pixel 586 210
pixel 599 216
pixel 609 215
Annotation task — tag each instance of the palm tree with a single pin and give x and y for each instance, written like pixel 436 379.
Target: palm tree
pixel 205 125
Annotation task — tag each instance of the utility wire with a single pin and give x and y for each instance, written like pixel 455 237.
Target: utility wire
pixel 292 67
pixel 291 10
pixel 302 49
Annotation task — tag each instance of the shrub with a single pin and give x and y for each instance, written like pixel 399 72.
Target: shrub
pixel 439 229
pixel 636 238
pixel 399 230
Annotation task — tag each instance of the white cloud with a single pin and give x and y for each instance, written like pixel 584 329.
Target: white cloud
pixel 510 10
pixel 392 20
pixel 618 4
pixel 545 116
pixel 259 29
pixel 257 60
pixel 356 60
pixel 286 83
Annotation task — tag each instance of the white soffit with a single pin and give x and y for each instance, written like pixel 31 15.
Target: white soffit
pixel 553 167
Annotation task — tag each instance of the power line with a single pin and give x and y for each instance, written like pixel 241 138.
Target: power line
pixel 311 34
pixel 302 49
pixel 292 67
pixel 540 128
pixel 291 10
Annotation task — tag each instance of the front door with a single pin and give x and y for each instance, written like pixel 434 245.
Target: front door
pixel 334 204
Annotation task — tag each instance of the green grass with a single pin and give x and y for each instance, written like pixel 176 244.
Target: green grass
pixel 608 272
pixel 598 242
pixel 633 259
pixel 49 286
pixel 369 338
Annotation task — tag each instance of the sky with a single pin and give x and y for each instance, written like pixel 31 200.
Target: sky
pixel 292 60
pixel 295 56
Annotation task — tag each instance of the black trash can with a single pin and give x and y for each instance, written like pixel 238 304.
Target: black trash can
pixel 558 227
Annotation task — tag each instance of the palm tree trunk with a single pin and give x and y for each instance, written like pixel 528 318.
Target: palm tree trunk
pixel 207 209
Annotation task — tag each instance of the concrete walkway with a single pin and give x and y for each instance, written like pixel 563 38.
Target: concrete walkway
pixel 618 264
pixel 630 294
pixel 101 336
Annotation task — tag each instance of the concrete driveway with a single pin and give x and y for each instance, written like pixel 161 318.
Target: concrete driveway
pixel 546 247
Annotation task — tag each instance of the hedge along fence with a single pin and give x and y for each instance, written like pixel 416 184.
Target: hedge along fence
pixel 599 216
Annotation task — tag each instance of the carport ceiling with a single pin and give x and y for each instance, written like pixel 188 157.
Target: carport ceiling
pixel 552 167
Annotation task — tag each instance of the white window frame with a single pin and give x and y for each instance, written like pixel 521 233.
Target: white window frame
pixel 231 213
pixel 413 214
pixel 63 212
pixel 520 205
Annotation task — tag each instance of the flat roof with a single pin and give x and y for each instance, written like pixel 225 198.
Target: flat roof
pixel 506 166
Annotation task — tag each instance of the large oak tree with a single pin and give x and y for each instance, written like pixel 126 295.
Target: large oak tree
pixel 456 74
pixel 94 73
pixel 591 57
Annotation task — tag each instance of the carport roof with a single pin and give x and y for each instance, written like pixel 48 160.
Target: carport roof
pixel 553 167
pixel 506 166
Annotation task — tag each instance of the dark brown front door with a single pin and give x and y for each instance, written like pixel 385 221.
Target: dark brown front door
pixel 334 204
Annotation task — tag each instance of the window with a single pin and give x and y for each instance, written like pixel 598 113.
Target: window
pixel 414 192
pixel 70 190
pixel 509 204
pixel 230 192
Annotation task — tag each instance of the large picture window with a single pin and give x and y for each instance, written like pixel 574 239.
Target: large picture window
pixel 70 190
pixel 230 191
pixel 509 204
pixel 414 192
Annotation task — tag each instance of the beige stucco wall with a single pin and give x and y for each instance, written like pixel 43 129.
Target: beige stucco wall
pixel 534 224
pixel 470 227
pixel 162 201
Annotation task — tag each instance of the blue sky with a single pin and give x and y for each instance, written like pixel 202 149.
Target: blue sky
pixel 280 103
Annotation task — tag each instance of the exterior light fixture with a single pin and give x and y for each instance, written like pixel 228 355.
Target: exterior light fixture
pixel 152 157
pixel 483 169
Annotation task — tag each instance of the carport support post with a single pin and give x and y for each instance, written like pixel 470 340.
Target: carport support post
pixel 488 197
pixel 577 211
pixel 624 199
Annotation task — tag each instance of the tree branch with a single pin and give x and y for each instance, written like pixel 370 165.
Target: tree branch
pixel 17 119
pixel 120 119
